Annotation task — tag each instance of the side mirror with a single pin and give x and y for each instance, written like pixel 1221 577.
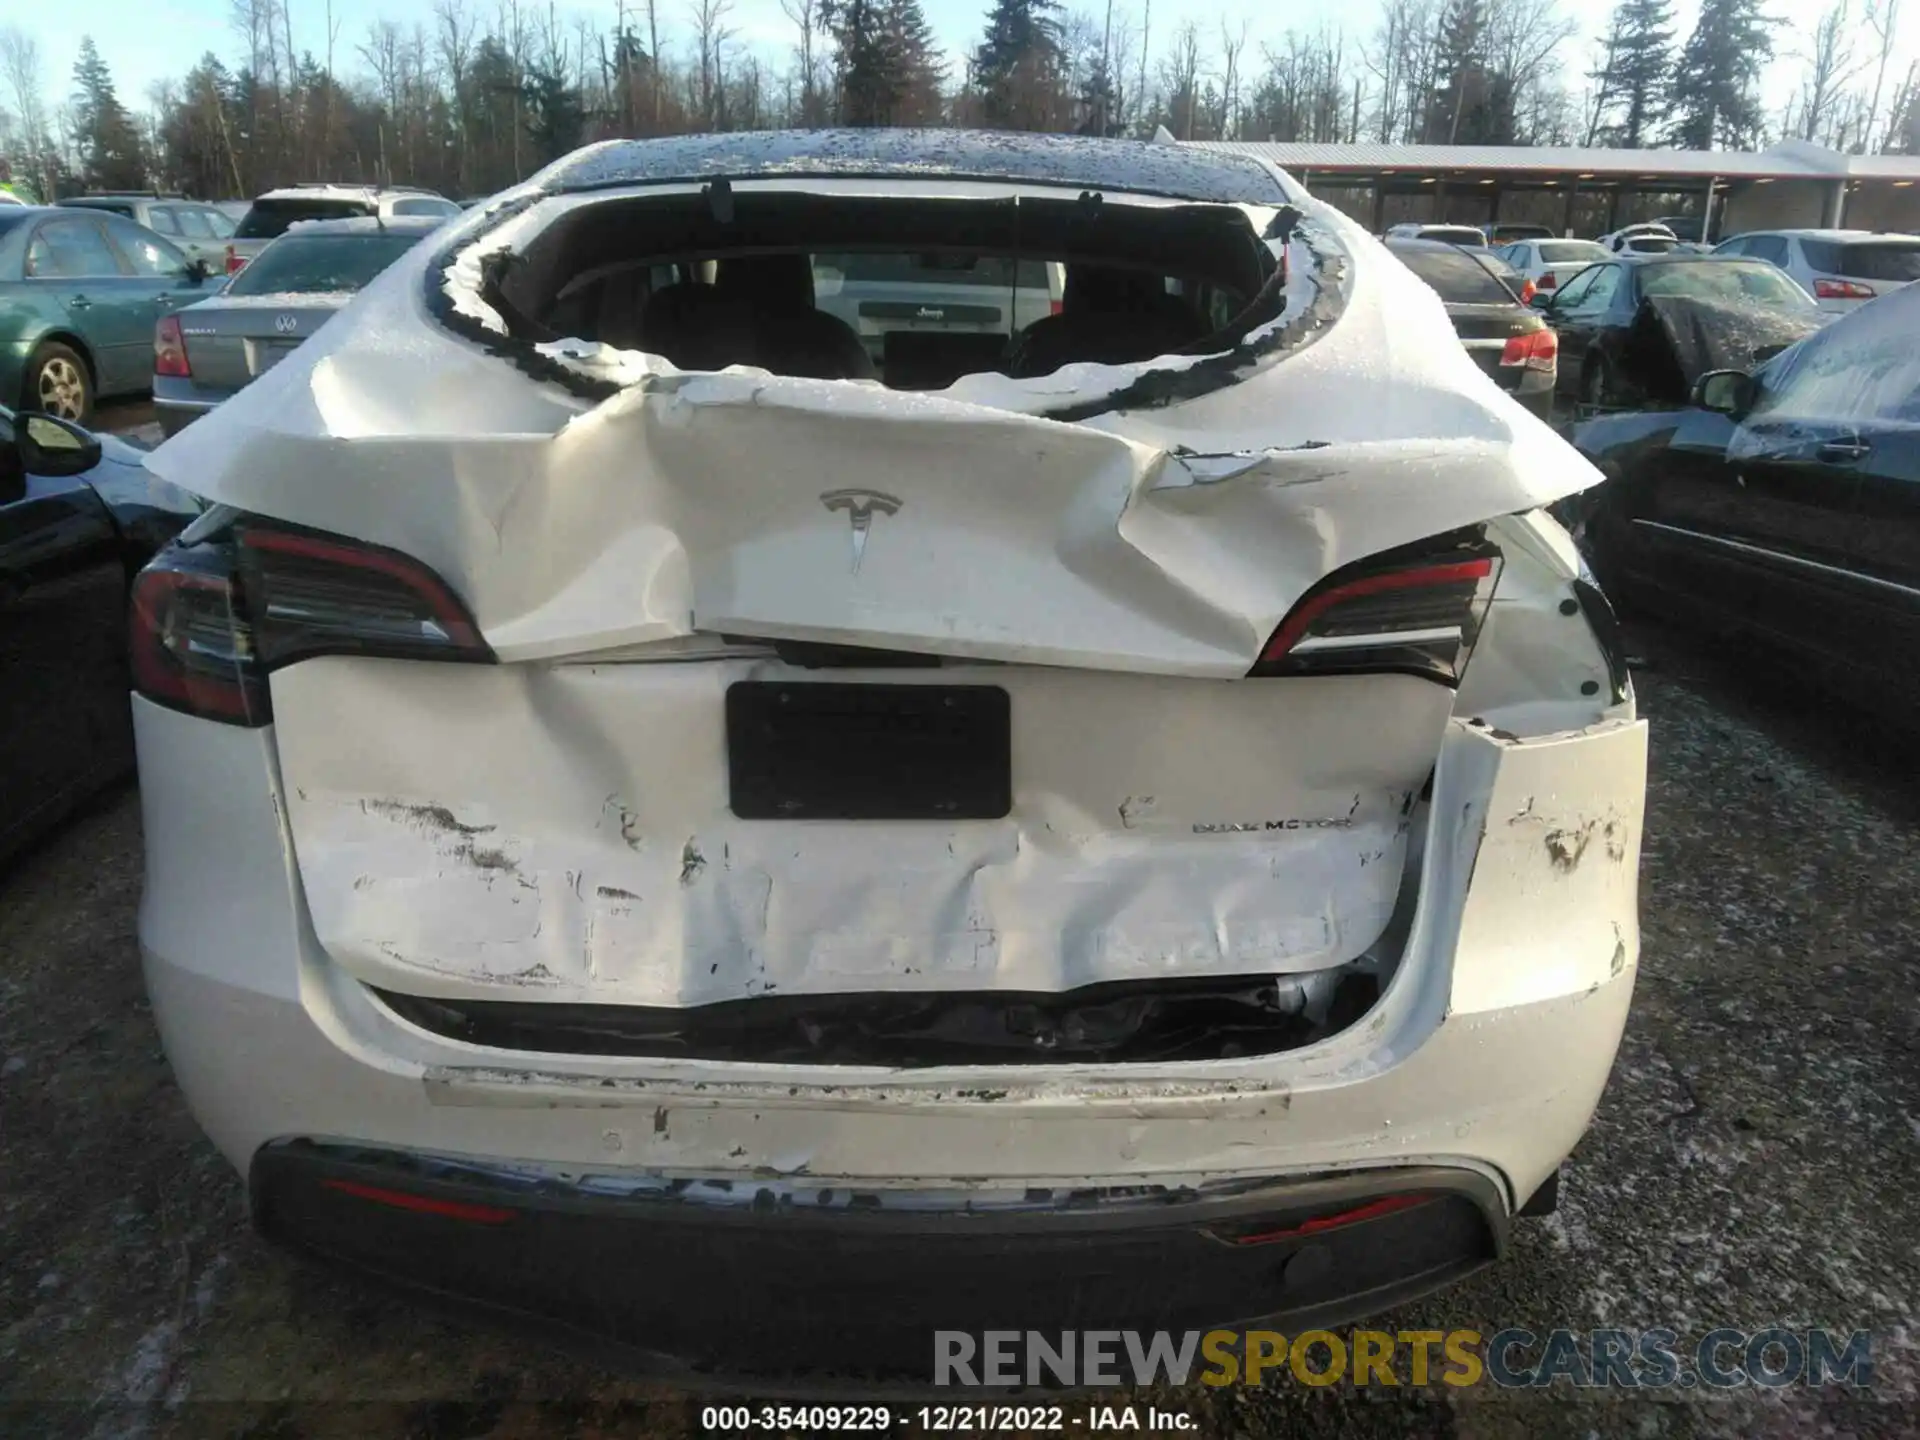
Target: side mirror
pixel 48 445
pixel 1541 300
pixel 197 271
pixel 1725 392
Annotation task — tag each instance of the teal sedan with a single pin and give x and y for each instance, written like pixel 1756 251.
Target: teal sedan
pixel 79 295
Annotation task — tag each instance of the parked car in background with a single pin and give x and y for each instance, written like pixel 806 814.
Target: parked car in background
pixel 79 294
pixel 269 215
pixel 1686 229
pixel 200 230
pixel 1467 235
pixel 1784 503
pixel 1634 328
pixel 205 353
pixel 7 197
pixel 1646 238
pixel 78 516
pixel 1109 847
pixel 1510 342
pixel 896 300
pixel 1841 269
pixel 1548 263
pixel 1505 232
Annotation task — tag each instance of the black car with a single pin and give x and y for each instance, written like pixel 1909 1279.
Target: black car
pixel 1783 503
pixel 1615 347
pixel 1509 341
pixel 79 514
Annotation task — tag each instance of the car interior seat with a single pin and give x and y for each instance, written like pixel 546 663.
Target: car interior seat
pixel 793 337
pixel 698 327
pixel 1108 315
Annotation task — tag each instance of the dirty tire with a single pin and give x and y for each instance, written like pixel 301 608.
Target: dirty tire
pixel 59 383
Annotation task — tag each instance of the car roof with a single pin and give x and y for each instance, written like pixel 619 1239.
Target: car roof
pixel 326 190
pixel 1416 242
pixel 1126 166
pixel 1809 233
pixel 370 225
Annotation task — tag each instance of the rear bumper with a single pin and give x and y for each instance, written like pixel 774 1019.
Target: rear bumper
pixel 1483 1060
pixel 178 403
pixel 751 1284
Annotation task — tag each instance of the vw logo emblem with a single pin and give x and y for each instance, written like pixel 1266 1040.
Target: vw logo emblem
pixel 286 324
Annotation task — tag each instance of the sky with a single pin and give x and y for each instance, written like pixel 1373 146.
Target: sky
pixel 148 40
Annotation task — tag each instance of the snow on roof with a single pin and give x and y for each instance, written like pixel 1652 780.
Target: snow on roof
pixel 1789 160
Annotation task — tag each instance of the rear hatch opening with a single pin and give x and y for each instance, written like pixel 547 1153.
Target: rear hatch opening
pixel 911 293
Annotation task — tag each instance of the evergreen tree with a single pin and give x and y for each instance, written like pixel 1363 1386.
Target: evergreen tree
pixel 920 72
pixel 889 68
pixel 869 60
pixel 1099 100
pixel 112 158
pixel 1016 65
pixel 1461 72
pixel 1716 82
pixel 554 116
pixel 1642 70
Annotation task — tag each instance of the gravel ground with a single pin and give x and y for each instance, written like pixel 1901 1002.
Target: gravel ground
pixel 1756 1161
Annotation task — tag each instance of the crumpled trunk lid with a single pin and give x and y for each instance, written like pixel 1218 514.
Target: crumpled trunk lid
pixel 560 826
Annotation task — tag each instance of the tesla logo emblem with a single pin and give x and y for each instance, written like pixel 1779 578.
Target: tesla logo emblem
pixel 286 324
pixel 861 506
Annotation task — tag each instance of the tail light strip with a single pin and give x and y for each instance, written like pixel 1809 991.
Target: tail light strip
pixel 211 619
pixel 1408 612
pixel 170 349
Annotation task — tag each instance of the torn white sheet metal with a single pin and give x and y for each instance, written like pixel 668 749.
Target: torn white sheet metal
pixel 563 833
pixel 1167 540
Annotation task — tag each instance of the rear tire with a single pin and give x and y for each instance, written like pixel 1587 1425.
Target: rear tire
pixel 58 382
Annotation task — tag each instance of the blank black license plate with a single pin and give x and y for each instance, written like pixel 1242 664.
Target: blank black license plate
pixel 869 752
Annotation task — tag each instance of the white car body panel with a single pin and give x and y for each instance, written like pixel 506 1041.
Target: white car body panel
pixel 1489 1050
pixel 556 828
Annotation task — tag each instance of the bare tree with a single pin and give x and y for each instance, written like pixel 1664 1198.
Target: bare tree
pixel 20 67
pixel 1883 19
pixel 809 21
pixel 1231 47
pixel 1830 66
pixel 710 36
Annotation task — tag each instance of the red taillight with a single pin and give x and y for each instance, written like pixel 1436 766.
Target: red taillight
pixel 1548 281
pixel 1409 614
pixel 212 618
pixel 1841 290
pixel 1372 1210
pixel 234 261
pixel 1537 350
pixel 170 349
pixel 1054 307
pixel 423 1204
